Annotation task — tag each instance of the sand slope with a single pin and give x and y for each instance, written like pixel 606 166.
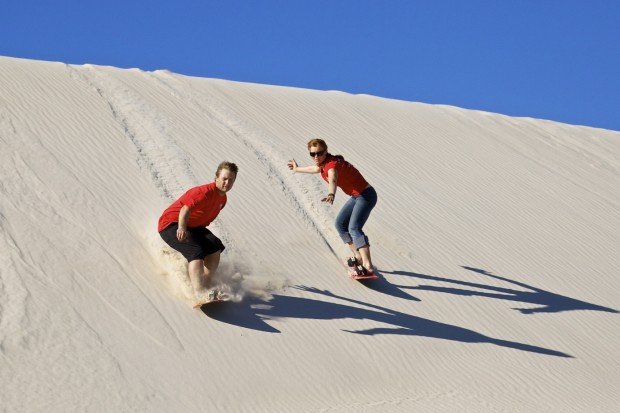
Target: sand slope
pixel 497 239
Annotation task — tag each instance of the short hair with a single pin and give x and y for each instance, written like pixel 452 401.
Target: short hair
pixel 226 165
pixel 317 142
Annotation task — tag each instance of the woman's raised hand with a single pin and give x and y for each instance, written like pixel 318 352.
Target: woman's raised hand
pixel 292 165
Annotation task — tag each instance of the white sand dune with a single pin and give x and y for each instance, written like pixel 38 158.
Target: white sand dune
pixel 497 239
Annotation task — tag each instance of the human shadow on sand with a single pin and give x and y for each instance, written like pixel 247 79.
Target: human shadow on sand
pixel 255 315
pixel 247 314
pixel 549 302
pixel 381 285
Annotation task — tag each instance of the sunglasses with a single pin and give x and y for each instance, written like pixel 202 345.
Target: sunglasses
pixel 319 153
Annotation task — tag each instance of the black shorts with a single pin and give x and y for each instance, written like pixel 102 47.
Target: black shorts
pixel 199 243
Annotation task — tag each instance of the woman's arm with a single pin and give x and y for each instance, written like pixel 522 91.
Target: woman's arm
pixel 312 169
pixel 332 180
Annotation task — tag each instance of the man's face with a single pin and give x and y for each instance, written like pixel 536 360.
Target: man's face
pixel 225 180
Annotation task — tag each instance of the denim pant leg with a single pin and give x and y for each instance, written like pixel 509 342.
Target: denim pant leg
pixel 353 216
pixel 361 211
pixel 342 220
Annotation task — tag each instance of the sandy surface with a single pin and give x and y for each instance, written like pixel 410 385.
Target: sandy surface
pixel 496 238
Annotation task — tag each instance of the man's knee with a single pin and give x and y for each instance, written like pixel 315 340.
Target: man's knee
pixel 212 260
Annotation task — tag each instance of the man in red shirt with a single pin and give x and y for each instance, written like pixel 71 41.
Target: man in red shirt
pixel 339 173
pixel 183 226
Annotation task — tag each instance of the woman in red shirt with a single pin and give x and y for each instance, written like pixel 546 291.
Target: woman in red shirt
pixel 183 226
pixel 339 173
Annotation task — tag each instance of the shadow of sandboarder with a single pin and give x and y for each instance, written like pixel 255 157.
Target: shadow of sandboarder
pixel 406 324
pixel 246 314
pixel 549 302
pixel 256 314
pixel 381 285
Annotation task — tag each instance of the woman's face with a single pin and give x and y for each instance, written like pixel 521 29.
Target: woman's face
pixel 318 154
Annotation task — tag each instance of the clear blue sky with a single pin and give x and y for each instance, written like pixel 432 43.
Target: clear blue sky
pixel 551 59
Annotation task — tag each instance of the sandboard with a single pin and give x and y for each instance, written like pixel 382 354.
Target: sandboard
pixel 201 304
pixel 220 299
pixel 353 274
pixel 364 277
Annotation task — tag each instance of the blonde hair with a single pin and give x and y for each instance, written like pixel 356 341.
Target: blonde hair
pixel 317 142
pixel 226 165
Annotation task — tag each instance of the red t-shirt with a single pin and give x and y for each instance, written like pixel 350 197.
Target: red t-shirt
pixel 350 180
pixel 205 203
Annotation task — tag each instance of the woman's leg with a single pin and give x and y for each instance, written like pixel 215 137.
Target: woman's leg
pixel 355 252
pixel 342 225
pixel 364 252
pixel 359 215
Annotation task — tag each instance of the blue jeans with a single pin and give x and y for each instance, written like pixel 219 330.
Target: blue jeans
pixel 353 216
